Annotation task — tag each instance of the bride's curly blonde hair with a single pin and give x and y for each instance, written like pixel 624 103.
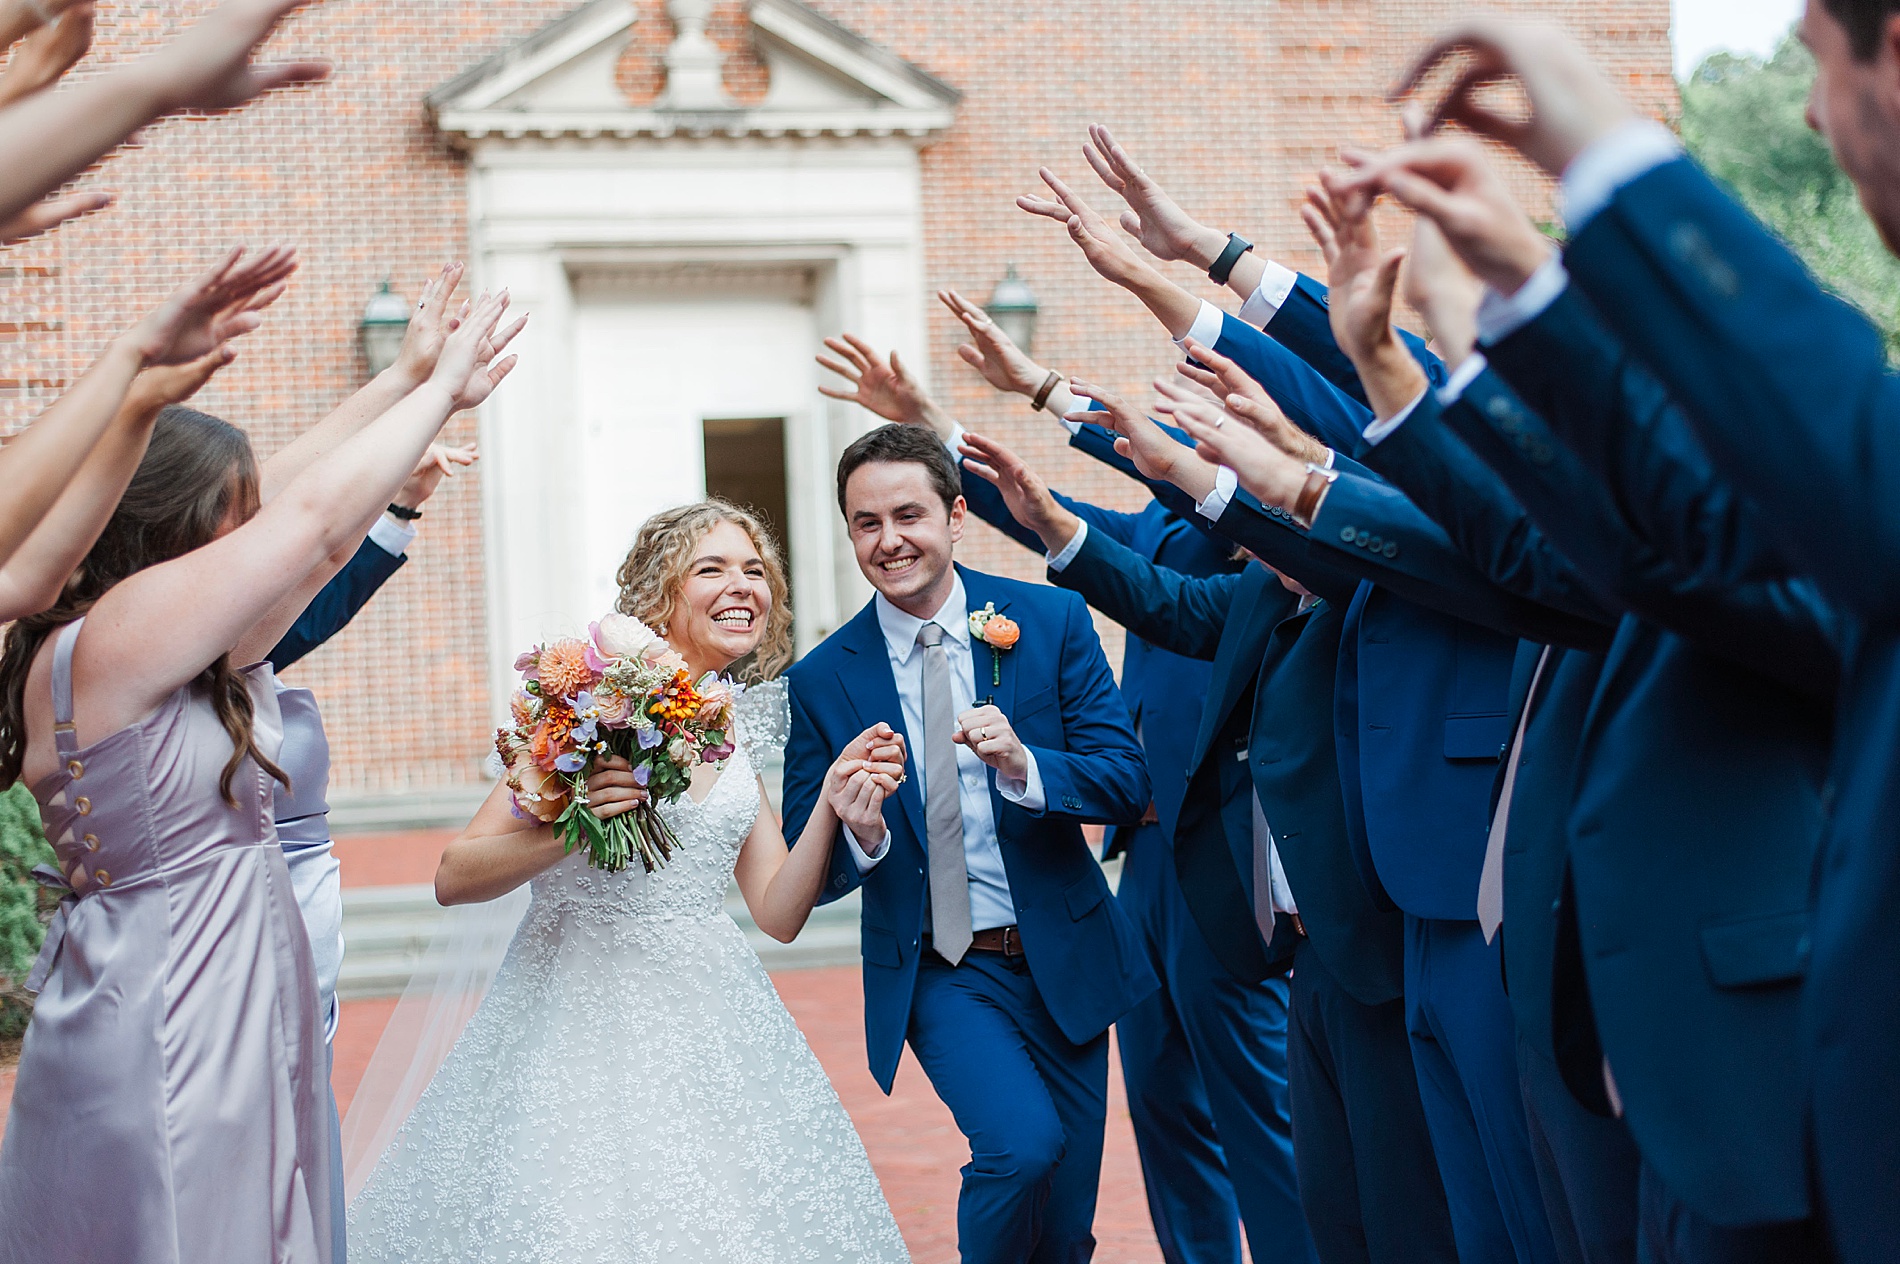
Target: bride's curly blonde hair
pixel 655 570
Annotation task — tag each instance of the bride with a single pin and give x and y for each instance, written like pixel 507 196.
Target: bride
pixel 632 1088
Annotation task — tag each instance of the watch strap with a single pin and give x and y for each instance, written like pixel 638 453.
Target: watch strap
pixel 1042 392
pixel 1223 266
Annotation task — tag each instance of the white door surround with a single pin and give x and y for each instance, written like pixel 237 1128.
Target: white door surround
pixel 808 203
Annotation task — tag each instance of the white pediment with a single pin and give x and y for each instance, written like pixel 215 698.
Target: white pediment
pixel 824 80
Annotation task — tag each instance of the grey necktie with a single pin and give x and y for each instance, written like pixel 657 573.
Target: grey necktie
pixel 943 805
pixel 1491 878
pixel 1262 872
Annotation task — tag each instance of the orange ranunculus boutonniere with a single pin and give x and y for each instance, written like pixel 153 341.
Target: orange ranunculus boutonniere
pixel 999 632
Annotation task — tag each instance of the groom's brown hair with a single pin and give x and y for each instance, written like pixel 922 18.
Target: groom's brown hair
pixel 902 443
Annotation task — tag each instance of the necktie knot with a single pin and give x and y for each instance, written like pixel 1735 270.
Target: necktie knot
pixel 930 635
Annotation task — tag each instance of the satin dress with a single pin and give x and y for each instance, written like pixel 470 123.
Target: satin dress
pixel 303 828
pixel 171 1102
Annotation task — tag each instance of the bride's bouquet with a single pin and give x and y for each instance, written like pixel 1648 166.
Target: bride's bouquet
pixel 622 691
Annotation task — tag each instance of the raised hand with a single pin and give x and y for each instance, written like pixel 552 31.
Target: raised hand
pixel 1571 103
pixel 209 68
pixel 429 325
pixel 48 53
pixel 1362 282
pixel 1218 375
pixel 43 217
pixel 885 386
pixel 20 18
pixel 1257 410
pixel 1274 476
pixel 214 307
pixel 1028 497
pixel 163 385
pixel 1107 252
pixel 990 351
pixel 467 369
pixel 438 463
pixel 1450 180
pixel 1444 292
pixel 1152 218
pixel 988 732
pixel 1156 454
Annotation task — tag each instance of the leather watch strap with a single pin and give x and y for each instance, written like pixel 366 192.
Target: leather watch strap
pixel 1223 265
pixel 1042 392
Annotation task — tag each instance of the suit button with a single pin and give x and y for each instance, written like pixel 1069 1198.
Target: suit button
pixel 1391 548
pixel 1375 544
pixel 840 882
pixel 1345 535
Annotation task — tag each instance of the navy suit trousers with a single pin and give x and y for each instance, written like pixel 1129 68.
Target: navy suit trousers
pixel 1032 1104
pixel 1586 1164
pixel 1370 1187
pixel 1204 1059
pixel 1464 1049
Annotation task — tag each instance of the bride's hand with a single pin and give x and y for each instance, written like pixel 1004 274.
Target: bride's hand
pixel 867 771
pixel 611 789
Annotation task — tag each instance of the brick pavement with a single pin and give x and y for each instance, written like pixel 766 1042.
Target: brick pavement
pixel 912 1141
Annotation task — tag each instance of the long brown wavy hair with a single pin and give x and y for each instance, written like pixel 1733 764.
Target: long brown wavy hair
pixel 196 470
pixel 655 569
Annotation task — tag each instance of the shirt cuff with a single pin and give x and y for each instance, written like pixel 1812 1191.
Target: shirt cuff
pixel 1605 166
pixel 1461 378
pixel 1331 456
pixel 1225 481
pixel 1206 327
pixel 954 443
pixel 392 537
pixel 1501 315
pixel 865 861
pixel 1270 295
pixel 1027 793
pixel 1060 559
pixel 1061 402
pixel 1378 430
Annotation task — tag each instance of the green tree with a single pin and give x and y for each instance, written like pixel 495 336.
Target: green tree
pixel 1744 119
pixel 24 904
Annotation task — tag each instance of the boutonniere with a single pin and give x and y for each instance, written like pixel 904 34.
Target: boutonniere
pixel 997 631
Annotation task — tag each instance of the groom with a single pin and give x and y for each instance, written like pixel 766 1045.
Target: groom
pixel 990 939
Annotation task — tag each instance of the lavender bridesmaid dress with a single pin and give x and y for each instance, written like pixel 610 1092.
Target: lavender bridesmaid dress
pixel 170 1103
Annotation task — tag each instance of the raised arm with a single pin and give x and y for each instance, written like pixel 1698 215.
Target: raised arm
pixel 50 137
pixel 164 625
pixel 63 481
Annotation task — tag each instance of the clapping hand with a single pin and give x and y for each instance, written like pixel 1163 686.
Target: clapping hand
pixel 987 731
pixel 1152 218
pixel 1029 499
pixel 990 351
pixel 466 369
pixel 885 386
pixel 1571 103
pixel 213 308
pixel 866 772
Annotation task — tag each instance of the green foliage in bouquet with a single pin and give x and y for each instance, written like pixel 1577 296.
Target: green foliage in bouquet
pixel 25 906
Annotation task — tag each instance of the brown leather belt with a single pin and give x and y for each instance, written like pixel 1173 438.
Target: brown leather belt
pixel 1004 939
pixel 1299 927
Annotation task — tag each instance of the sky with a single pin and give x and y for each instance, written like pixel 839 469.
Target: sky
pixel 1740 26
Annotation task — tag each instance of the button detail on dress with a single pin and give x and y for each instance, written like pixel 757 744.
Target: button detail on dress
pixel 91 841
pixel 82 805
pixel 103 878
pixel 75 769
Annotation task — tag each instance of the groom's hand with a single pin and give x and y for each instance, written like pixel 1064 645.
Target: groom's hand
pixel 866 772
pixel 987 731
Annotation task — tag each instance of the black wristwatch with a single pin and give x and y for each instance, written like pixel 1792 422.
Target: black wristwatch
pixel 1223 267
pixel 404 513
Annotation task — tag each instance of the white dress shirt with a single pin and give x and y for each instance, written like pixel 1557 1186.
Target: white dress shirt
pixel 990 901
pixel 392 537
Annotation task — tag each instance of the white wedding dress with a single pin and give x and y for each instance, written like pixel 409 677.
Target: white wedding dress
pixel 632 1088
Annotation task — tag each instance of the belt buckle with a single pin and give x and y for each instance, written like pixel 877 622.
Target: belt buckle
pixel 1012 943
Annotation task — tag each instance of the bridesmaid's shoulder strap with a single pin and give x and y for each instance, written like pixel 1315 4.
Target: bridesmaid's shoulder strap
pixel 64 735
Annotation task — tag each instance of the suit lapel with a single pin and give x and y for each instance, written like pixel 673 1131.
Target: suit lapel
pixel 866 682
pixel 1237 655
pixel 979 589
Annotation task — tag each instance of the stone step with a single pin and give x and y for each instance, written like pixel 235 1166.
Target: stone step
pixel 386 931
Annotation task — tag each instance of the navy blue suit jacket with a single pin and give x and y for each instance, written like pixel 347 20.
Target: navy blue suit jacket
pixel 1303 325
pixel 1060 696
pixel 1266 728
pixel 348 591
pixel 1163 690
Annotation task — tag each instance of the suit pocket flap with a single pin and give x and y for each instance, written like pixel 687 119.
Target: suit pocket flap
pixel 1772 948
pixel 880 948
pixel 1083 896
pixel 1041 700
pixel 1476 736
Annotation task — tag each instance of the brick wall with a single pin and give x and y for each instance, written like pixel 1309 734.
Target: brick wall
pixel 1232 103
